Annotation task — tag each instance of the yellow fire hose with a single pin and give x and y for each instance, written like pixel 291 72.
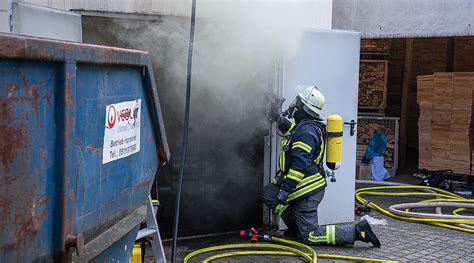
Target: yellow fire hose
pixel 442 197
pixel 283 250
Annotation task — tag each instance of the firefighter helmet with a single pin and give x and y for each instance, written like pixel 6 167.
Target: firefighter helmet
pixel 312 99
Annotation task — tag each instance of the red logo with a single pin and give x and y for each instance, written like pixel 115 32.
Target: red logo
pixel 111 117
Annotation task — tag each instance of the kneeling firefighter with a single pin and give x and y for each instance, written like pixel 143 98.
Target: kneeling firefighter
pixel 299 186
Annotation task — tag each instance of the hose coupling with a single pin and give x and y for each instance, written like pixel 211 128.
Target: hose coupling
pixel 253 235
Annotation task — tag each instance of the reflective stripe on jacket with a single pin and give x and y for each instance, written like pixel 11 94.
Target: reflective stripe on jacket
pixel 301 155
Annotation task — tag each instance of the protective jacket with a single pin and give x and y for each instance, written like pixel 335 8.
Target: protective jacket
pixel 301 156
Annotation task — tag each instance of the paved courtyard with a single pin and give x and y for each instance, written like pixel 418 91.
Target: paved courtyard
pixel 402 241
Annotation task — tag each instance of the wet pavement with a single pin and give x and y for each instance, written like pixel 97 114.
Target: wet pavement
pixel 404 241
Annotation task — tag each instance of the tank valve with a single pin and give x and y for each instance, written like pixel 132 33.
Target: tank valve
pixel 331 174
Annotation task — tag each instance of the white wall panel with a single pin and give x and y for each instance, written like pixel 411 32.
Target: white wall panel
pixel 316 13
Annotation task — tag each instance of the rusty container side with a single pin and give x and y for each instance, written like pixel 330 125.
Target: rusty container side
pixel 55 187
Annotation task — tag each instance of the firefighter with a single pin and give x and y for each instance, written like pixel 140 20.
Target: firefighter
pixel 298 188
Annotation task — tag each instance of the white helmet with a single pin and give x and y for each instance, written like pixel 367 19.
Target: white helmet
pixel 312 99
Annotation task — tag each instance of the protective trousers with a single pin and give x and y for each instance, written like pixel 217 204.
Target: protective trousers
pixel 302 216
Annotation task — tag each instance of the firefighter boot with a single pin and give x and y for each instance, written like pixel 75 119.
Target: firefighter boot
pixel 291 233
pixel 363 232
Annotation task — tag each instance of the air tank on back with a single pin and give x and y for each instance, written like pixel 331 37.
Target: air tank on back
pixel 334 141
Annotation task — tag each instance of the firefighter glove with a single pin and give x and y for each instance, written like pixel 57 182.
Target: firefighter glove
pixel 282 196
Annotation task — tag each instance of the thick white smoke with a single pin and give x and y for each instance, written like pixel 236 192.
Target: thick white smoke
pixel 238 45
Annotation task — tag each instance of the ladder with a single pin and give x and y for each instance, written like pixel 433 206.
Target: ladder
pixel 153 231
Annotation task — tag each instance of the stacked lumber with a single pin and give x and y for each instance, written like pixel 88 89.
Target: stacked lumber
pixel 372 84
pixel 461 121
pixel 442 110
pixel 375 45
pixel 464 61
pixel 425 101
pixel 365 132
pixel 425 90
pixel 446 121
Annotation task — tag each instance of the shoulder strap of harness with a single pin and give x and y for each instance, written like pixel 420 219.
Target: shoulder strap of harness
pixel 322 132
pixel 321 127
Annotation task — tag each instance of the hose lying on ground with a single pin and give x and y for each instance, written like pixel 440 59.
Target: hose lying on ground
pixel 287 249
pixel 442 198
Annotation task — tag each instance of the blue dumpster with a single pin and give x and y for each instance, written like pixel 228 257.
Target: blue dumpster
pixel 81 138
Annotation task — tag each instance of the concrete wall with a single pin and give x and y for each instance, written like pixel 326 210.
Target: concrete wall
pixel 318 11
pixel 130 6
pixel 405 18
pixel 4 16
pixel 40 21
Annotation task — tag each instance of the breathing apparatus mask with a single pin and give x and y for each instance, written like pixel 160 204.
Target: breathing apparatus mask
pixel 284 123
pixel 296 105
pixel 294 111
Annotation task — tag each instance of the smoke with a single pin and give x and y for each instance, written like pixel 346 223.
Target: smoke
pixel 236 50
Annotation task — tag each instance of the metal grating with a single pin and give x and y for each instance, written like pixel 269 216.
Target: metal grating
pixel 390 123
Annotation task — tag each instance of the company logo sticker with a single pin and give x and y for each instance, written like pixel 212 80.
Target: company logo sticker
pixel 122 130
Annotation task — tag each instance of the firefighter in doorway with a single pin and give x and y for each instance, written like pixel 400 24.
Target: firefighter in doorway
pixel 299 186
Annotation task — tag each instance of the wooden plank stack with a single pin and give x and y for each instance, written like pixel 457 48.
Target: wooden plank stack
pixel 442 110
pixel 425 101
pixel 373 84
pixel 446 125
pixel 375 45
